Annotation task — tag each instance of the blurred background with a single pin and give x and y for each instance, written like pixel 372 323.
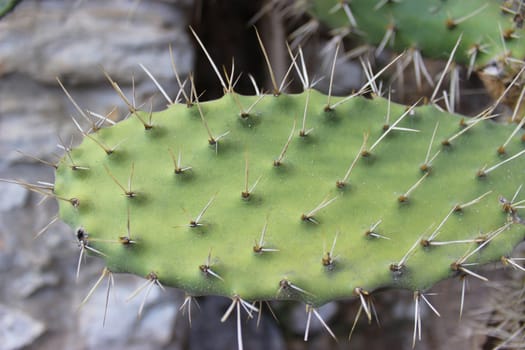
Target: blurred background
pixel 77 41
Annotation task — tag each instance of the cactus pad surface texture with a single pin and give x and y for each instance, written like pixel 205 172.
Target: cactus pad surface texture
pixel 296 196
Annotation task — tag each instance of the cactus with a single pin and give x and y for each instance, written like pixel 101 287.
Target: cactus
pixel 490 33
pixel 305 197
pixel 294 196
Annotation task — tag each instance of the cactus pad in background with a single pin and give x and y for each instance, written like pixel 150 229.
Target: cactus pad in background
pixel 300 197
pixel 492 34
pixel 491 30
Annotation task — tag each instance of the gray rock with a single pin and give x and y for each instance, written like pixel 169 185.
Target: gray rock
pixel 157 323
pixel 123 329
pixel 29 283
pixel 348 74
pixel 13 196
pixel 75 39
pixel 31 117
pixel 299 318
pixel 17 329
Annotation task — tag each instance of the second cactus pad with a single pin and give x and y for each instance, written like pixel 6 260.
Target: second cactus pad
pixel 491 30
pixel 287 197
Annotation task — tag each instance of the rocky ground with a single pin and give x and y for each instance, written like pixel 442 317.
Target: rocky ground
pixel 40 296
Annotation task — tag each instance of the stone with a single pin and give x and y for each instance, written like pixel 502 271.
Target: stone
pixel 299 317
pixel 75 39
pixel 32 281
pixel 18 328
pixel 123 328
pixel 77 42
pixel 13 196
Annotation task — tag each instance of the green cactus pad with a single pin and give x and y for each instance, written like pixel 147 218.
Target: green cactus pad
pixel 399 193
pixel 491 30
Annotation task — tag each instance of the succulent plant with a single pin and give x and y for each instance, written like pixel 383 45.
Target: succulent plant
pixel 305 197
pixel 489 30
pixel 489 33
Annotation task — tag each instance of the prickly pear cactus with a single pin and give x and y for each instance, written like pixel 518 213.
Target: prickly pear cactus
pixel 300 197
pixel 491 31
